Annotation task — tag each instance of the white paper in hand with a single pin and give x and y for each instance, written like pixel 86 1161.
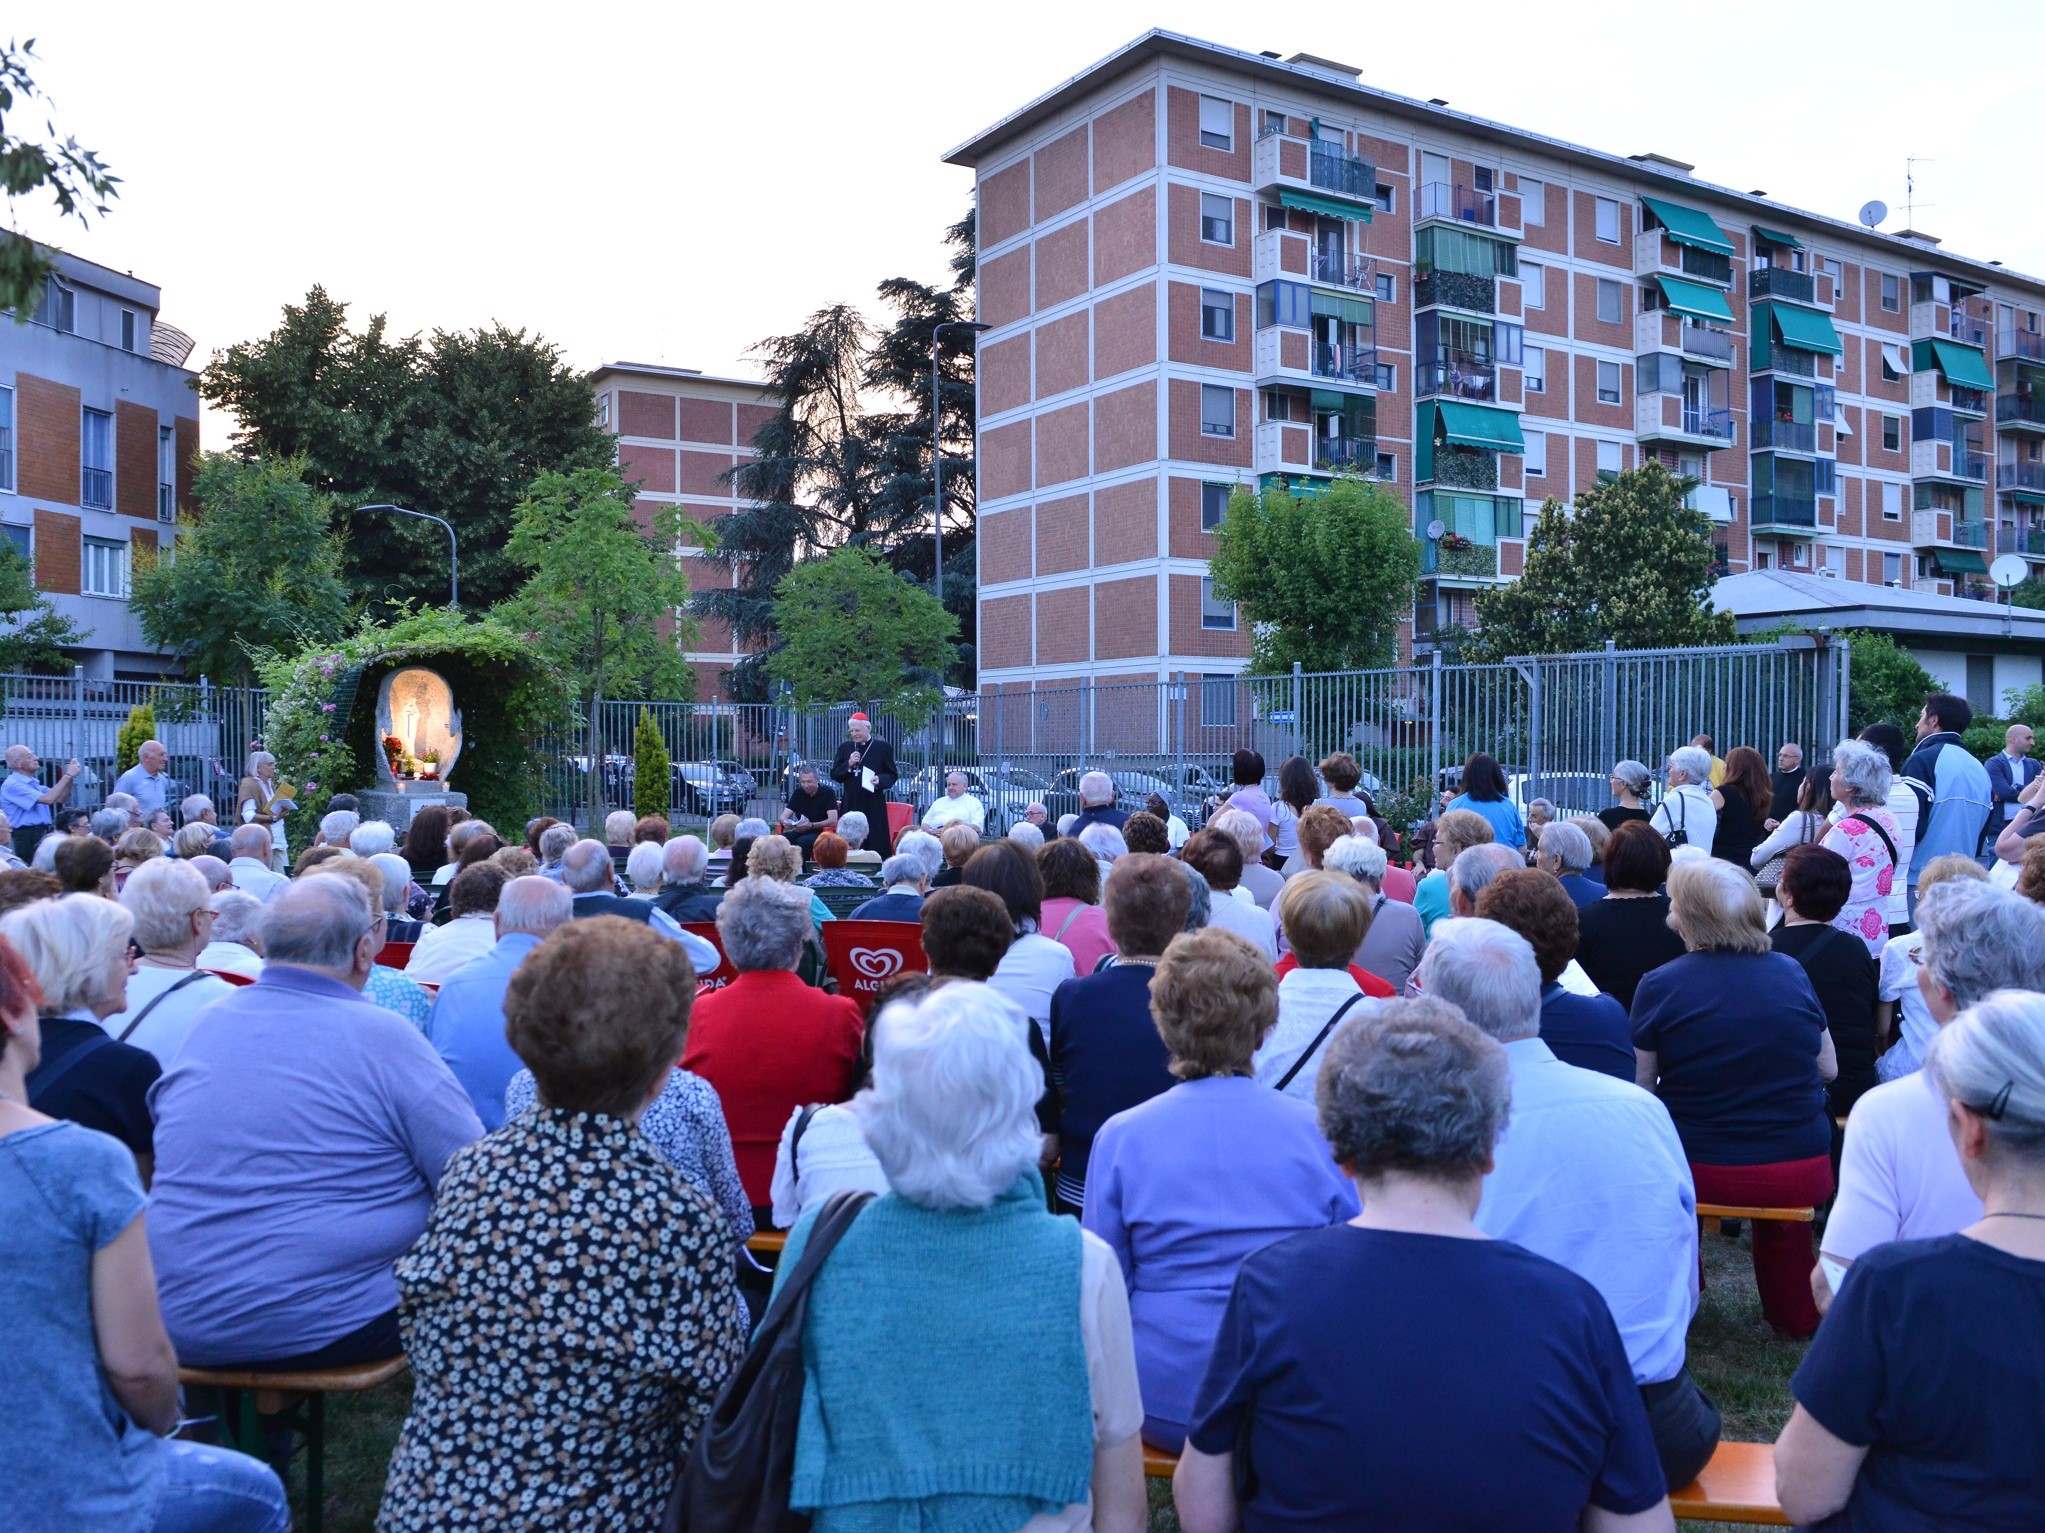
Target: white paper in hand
pixel 867 780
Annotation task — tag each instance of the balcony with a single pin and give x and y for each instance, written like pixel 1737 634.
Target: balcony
pixel 2030 543
pixel 1935 528
pixel 1336 269
pixel 1345 454
pixel 1654 251
pixel 1780 282
pixel 1787 359
pixel 1457 203
pixel 1707 344
pixel 1458 375
pixel 2020 343
pixel 1455 290
pixel 1969 465
pixel 1794 514
pixel 1968 401
pixel 1357 365
pixel 1661 417
pixel 1283 356
pixel 2020 476
pixel 1785 436
pixel 1332 170
pixel 1278 161
pixel 96 489
pixel 1965 327
pixel 1465 468
pixel 1715 424
pixel 1458 556
pixel 2019 412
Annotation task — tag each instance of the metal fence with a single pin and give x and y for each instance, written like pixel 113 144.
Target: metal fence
pixel 1556 722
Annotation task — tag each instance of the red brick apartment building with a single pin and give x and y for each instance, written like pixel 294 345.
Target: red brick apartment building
pixel 1206 268
pixel 679 433
pixel 98 427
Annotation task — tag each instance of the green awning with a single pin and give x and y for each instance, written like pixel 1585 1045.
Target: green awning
pixel 1479 426
pixel 1805 329
pixel 1777 237
pixel 1329 207
pixel 1959 561
pixel 1695 300
pixel 1964 367
pixel 1687 226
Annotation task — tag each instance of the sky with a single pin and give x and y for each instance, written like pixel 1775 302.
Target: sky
pixel 671 183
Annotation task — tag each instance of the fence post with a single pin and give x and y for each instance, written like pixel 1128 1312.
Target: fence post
pixel 1086 720
pixel 1296 726
pixel 1533 675
pixel 1434 731
pixel 1179 725
pixel 78 710
pixel 1608 709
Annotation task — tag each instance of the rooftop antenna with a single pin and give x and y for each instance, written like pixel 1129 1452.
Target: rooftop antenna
pixel 1910 188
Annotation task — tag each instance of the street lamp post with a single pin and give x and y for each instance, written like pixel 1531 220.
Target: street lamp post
pixel 454 579
pixel 937 450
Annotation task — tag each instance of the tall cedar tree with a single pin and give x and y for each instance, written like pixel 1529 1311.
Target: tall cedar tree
pixel 1630 563
pixel 457 425
pixel 845 462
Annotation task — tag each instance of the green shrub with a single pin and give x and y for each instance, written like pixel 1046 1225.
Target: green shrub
pixel 140 729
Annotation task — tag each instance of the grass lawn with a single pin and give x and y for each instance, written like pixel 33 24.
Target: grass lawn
pixel 1739 1361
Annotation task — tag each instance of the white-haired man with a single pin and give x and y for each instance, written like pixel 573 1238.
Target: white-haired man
pixel 586 872
pixel 1588 1173
pixel 1686 815
pixel 214 870
pixel 907 881
pixel 27 803
pixel 336 826
pixel 236 945
pixel 1097 803
pixel 250 864
pixel 466 1027
pixel 372 837
pixel 197 809
pixel 685 893
pixel 148 780
pixel 955 806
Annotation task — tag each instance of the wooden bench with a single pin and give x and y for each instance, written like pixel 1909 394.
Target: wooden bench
pixel 1738 1485
pixel 1709 1214
pixel 301 1398
pixel 767 1242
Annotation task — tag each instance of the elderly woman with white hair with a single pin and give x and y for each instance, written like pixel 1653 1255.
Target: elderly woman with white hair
pixel 1106 843
pixel 643 869
pixel 1259 882
pixel 173 923
pixel 1393 946
pixel 1344 1354
pixel 1565 851
pixel 1865 835
pixel 1024 1412
pixel 1631 783
pixel 263 800
pixel 1733 1039
pixel 1918 1403
pixel 1686 815
pixel 854 827
pixel 235 945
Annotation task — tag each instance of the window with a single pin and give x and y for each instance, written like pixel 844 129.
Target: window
pixel 96 488
pixel 1277 406
pixel 1534 283
pixel 24 543
pixel 1611 458
pixel 1892 433
pixel 1608 220
pixel 1274 216
pixel 105 568
pixel 127 329
pixel 1608 383
pixel 1217 314
pixel 1533 203
pixel 59 308
pixel 1386 197
pixel 1214 612
pixel 1388 468
pixel 1456 250
pixel 1386 378
pixel 1274 122
pixel 1892 292
pixel 1217 699
pixel 1611 302
pixel 1217 123
pixel 1825 477
pixel 6 439
pixel 1835 561
pixel 1892 501
pixel 1217 410
pixel 1536 457
pixel 1213 505
pixel 166 475
pixel 1892 568
pixel 1387 291
pixel 1217 219
pixel 1284 303
pixel 1535 369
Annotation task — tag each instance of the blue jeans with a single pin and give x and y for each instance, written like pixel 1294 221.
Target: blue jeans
pixel 216 1490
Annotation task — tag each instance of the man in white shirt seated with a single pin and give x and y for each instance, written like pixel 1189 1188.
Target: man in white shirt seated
pixel 957 807
pixel 470 931
pixel 1899 1176
pixel 237 945
pixel 250 864
pixel 1588 1173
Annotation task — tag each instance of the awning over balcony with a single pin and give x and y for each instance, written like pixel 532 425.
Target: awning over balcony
pixel 1959 561
pixel 1777 237
pixel 1461 425
pixel 1805 329
pixel 1327 207
pixel 1687 226
pixel 1695 300
pixel 1964 367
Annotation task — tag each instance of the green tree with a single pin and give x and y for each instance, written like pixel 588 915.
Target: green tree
pixel 456 424
pixel 1887 685
pixel 139 730
pixel 652 788
pixel 1323 579
pixel 1631 563
pixel 75 177
pixel 2030 594
pixel 260 570
pixel 852 629
pixel 601 600
pixel 32 632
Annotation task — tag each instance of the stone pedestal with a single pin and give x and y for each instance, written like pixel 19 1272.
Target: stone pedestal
pixel 397 806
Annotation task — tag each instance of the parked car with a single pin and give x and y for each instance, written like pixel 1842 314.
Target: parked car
pixel 709 788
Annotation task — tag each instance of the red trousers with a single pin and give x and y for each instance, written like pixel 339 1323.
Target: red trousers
pixel 1783 1254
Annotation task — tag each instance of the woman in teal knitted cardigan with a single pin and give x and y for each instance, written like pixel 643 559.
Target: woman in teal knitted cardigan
pixel 967 1361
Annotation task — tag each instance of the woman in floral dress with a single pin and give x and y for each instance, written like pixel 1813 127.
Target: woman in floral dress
pixel 1865 834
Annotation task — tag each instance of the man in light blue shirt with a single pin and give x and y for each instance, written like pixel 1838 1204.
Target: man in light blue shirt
pixel 148 780
pixel 466 1027
pixel 26 802
pixel 1590 1174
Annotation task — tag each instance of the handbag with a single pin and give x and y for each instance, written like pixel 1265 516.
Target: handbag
pixel 737 1473
pixel 1769 874
pixel 1680 836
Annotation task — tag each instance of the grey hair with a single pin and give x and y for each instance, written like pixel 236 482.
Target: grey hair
pixel 1413 1086
pixel 555 840
pixel 1991 1060
pixel 127 803
pixel 1096 790
pixel 533 905
pixel 217 874
pixel 260 759
pixel 1977 939
pixel 586 867
pixel 764 923
pixel 195 806
pixel 337 826
pixel 194 840
pixel 317 921
pixel 1637 778
pixel 1066 822
pixel 45 859
pixel 1487 971
pixel 235 915
pixel 925 848
pixel 1694 762
pixel 1241 827
pixel 619 825
pixel 1104 841
pixel 459 838
pixel 1358 856
pixel 684 860
pixel 250 841
pixel 951 1114
pixel 161 895
pixel 109 824
pixel 1474 868
pixel 752 825
pixel 1865 772
pixel 397 880
pixel 1545 805
pixel 853 826
pixel 371 837
pixel 643 865
pixel 1026 835
pixel 902 868
pixel 1201 911
pixel 1567 844
pixel 69 943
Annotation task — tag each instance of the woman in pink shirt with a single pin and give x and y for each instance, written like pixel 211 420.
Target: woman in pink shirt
pixel 1072 902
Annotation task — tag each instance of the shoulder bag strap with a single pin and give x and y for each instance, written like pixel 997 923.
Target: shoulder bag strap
pixel 1877 829
pixel 162 996
pixel 1321 1037
pixel 71 1061
pixel 1071 915
pixel 795 1141
pixel 1823 941
pixel 836 1217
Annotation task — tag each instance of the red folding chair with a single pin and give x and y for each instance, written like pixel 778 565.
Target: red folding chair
pixel 395 955
pixel 231 977
pixel 725 973
pixel 864 955
pixel 900 818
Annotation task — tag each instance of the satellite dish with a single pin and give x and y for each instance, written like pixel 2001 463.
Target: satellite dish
pixel 2007 571
pixel 1872 213
pixel 1435 530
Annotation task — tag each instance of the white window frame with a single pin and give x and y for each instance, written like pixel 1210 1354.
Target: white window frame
pixel 1889 282
pixel 1896 421
pixel 1536 457
pixel 1533 285
pixel 1388 287
pixel 1607 212
pixel 1385 375
pixel 7 438
pixel 1618 382
pixel 1386 467
pixel 1212 617
pixel 1218 108
pixel 85 465
pixel 1227 220
pixel 1207 392
pixel 1887 565
pixel 1209 524
pixel 1386 196
pixel 1533 203
pixel 131 329
pixel 1618 291
pixel 1616 452
pixel 1534 369
pixel 166 474
pixel 104 566
pixel 1226 308
pixel 1892 501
